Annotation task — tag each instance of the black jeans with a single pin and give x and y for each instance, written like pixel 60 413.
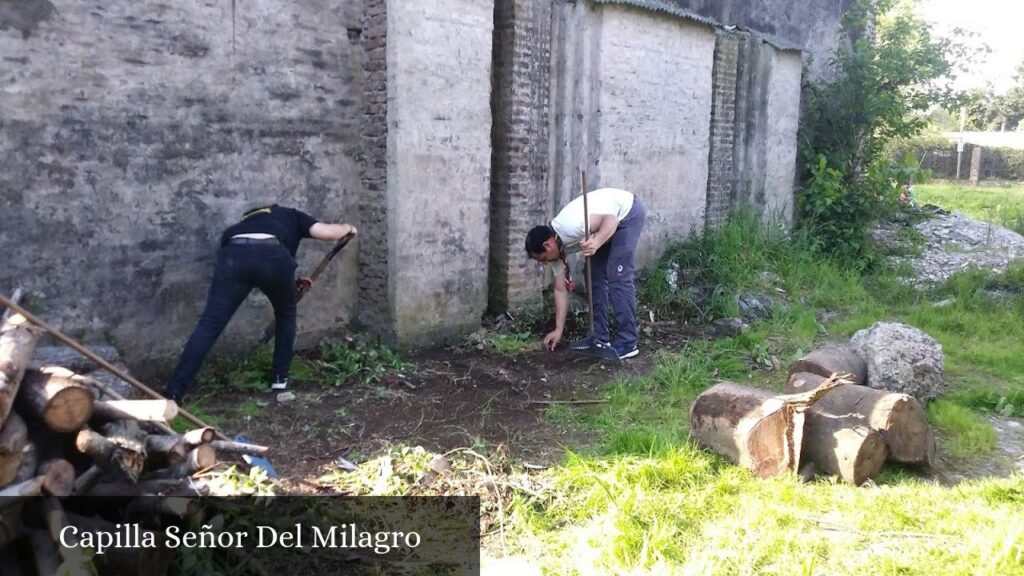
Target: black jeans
pixel 240 268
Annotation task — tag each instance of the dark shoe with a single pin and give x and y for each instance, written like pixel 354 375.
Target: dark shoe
pixel 583 344
pixel 604 351
pixel 172 395
pixel 279 385
pixel 626 352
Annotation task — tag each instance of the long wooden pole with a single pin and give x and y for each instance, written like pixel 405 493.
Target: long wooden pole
pixel 586 259
pixel 100 361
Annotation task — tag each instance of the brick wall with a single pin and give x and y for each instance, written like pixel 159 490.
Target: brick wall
pixel 519 159
pixel 723 120
pixel 374 294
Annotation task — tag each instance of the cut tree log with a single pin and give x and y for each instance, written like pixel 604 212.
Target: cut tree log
pixel 231 447
pixel 110 456
pixel 843 446
pixel 13 438
pixel 58 477
pixel 752 427
pixel 200 436
pixel 199 458
pixel 86 480
pixel 898 417
pixel 163 450
pixel 140 410
pixel 12 494
pixel 17 341
pixel 833 359
pixel 59 402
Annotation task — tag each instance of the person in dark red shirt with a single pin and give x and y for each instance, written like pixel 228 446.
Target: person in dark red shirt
pixel 257 252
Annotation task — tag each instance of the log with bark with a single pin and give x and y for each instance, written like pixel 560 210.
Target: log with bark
pixel 843 446
pixel 17 341
pixel 752 427
pixel 13 440
pixel 899 418
pixel 141 410
pixel 54 399
pixel 58 477
pixel 833 359
pixel 123 459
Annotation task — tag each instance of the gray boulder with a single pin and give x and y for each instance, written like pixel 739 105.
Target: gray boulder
pixel 901 358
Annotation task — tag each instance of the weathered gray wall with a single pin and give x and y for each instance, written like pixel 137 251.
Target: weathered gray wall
pixel 807 25
pixel 439 162
pixel 131 133
pixel 767 118
pixel 652 118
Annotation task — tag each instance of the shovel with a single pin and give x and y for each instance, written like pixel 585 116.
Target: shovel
pixel 301 289
pixel 597 349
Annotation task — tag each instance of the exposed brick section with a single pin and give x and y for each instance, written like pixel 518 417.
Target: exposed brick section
pixel 519 160
pixel 373 224
pixel 723 122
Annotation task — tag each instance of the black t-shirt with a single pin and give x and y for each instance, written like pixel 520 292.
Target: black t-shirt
pixel 288 225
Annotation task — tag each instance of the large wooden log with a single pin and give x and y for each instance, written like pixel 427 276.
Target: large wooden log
pixel 140 410
pixel 17 341
pixel 13 438
pixel 898 417
pixel 833 359
pixel 199 458
pixel 59 402
pixel 101 389
pixel 753 428
pixel 843 446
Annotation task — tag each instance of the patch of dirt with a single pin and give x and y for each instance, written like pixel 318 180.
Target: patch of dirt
pixel 454 398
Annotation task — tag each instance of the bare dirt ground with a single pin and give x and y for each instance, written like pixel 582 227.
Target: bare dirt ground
pixel 453 398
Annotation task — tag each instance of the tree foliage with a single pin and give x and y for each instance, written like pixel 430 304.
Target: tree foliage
pixel 987 110
pixel 889 73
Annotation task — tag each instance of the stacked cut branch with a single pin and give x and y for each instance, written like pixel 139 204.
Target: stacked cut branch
pixel 63 433
pixel 839 426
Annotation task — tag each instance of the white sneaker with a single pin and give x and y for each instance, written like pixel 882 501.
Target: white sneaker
pixel 279 385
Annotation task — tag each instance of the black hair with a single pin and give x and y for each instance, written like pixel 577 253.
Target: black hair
pixel 536 237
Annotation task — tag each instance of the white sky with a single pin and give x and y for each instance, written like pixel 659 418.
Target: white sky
pixel 999 23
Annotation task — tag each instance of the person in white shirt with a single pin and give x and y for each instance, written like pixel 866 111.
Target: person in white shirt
pixel 616 220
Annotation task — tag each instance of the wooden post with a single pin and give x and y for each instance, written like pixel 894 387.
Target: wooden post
pixel 17 342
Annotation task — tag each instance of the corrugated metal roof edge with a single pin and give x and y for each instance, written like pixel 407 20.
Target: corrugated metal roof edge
pixel 658 6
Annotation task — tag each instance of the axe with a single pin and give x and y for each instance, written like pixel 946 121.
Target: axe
pixel 301 289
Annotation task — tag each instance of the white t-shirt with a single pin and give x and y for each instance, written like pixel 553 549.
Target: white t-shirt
pixel 569 222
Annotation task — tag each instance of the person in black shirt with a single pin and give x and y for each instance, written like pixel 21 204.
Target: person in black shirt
pixel 257 252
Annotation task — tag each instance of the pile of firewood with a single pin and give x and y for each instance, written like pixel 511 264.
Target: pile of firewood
pixel 65 434
pixel 828 422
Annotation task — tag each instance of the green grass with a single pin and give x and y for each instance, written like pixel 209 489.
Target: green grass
pixel 972 435
pixel 997 204
pixel 512 344
pixel 643 499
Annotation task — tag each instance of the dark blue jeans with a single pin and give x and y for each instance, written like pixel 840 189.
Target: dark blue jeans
pixel 240 268
pixel 612 270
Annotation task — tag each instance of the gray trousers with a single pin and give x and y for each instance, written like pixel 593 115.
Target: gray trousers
pixel 612 271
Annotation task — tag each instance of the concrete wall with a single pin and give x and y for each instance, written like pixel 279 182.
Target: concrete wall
pixel 652 116
pixel 439 161
pixel 131 133
pixel 767 118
